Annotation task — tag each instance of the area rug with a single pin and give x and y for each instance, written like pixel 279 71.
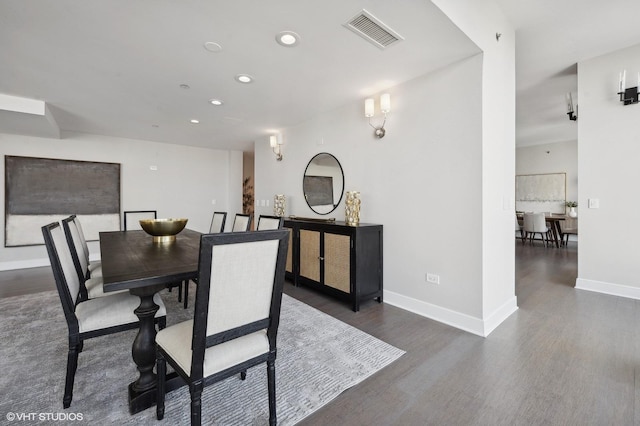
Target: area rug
pixel 319 357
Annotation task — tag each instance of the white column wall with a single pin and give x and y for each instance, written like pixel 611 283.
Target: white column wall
pixel 609 149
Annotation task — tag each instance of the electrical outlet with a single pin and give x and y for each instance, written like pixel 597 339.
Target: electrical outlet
pixel 432 278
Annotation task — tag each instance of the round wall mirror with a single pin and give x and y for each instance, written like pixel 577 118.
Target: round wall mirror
pixel 323 183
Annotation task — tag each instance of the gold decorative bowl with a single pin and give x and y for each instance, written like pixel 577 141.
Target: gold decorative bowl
pixel 163 230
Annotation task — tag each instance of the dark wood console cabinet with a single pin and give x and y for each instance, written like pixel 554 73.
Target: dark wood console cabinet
pixel 335 258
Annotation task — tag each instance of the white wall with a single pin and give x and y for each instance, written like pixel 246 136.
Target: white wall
pixel 186 182
pixel 422 181
pixel 608 171
pixel 560 157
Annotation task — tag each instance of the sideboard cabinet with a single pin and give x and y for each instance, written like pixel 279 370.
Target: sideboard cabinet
pixel 335 258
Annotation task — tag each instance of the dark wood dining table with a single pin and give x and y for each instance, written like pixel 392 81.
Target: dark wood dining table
pixel 132 261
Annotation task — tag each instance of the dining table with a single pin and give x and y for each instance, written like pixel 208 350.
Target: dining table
pixel 132 261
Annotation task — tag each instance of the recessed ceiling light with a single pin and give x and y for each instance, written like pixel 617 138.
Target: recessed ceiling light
pixel 244 78
pixel 287 38
pixel 216 102
pixel 212 46
pixel 194 121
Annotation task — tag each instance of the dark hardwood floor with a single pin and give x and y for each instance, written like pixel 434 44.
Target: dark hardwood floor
pixel 566 357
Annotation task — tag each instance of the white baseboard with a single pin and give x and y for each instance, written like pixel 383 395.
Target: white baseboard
pixel 608 288
pixel 23 264
pixel 31 263
pixel 455 319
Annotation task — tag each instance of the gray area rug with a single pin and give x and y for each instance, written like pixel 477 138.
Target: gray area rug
pixel 319 357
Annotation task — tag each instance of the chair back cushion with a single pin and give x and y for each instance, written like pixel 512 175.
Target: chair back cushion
pixel 85 247
pixel 241 223
pixel 64 272
pixel 80 260
pixel 217 222
pixel 269 222
pixel 535 222
pixel 132 218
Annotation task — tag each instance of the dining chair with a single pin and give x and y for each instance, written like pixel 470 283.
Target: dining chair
pixel 132 218
pixel 269 222
pixel 217 222
pixel 236 316
pixel 519 229
pixel 90 287
pixel 535 223
pixel 92 317
pixel 241 223
pixel 568 227
pixel 95 267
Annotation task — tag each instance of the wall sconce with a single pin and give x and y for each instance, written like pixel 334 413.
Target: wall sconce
pixel 276 145
pixel 629 95
pixel 385 107
pixel 573 114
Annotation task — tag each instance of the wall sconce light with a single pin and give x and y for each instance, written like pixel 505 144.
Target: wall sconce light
pixel 276 145
pixel 629 95
pixel 573 114
pixel 385 107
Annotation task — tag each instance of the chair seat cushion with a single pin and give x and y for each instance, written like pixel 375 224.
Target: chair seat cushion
pixel 112 310
pixel 95 289
pixel 95 269
pixel 176 342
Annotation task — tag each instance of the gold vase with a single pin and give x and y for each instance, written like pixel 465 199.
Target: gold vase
pixel 352 208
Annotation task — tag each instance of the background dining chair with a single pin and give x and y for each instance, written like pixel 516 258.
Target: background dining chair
pixel 241 222
pixel 95 268
pixel 535 223
pixel 132 218
pixel 236 316
pixel 568 227
pixel 519 230
pixel 89 318
pixel 217 222
pixel 269 222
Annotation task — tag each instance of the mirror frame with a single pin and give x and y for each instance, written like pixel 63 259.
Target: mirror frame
pixel 335 205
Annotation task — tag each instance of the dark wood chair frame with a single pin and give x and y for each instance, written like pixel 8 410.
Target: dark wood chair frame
pixel 155 215
pixel 76 338
pixel 262 216
pixel 248 222
pixel 201 341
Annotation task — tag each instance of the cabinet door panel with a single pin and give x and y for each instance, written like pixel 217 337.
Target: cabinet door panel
pixel 337 250
pixel 310 254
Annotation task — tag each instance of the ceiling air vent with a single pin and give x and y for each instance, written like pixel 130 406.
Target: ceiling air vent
pixel 373 30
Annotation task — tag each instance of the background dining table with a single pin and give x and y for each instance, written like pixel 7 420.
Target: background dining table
pixel 554 220
pixel 132 261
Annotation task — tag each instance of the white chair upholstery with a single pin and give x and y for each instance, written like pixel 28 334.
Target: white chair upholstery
pixel 236 316
pixel 95 268
pixel 241 223
pixel 217 222
pixel 269 222
pixel 89 318
pixel 535 223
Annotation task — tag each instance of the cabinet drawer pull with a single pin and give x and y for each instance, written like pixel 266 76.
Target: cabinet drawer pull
pixel 320 258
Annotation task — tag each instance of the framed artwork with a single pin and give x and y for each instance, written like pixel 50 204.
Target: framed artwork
pixel 541 192
pixel 39 191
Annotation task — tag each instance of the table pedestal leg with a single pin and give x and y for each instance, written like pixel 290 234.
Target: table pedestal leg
pixel 142 391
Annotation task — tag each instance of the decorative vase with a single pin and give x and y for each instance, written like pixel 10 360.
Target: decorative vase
pixel 352 208
pixel 279 203
pixel 573 212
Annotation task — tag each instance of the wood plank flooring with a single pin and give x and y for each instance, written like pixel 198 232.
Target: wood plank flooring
pixel 566 357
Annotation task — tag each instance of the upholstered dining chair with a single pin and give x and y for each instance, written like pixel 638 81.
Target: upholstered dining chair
pixel 132 218
pixel 236 316
pixel 535 223
pixel 95 268
pixel 89 318
pixel 241 223
pixel 217 222
pixel 90 287
pixel 269 222
pixel 568 227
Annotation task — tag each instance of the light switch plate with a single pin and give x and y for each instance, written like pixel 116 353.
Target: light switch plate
pixel 594 203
